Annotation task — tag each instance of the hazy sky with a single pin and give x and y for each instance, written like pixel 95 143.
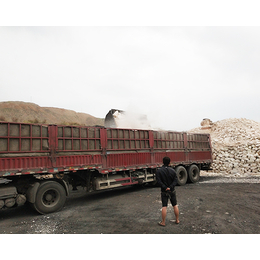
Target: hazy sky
pixel 175 75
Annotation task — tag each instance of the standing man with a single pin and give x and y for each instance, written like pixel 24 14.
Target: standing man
pixel 167 179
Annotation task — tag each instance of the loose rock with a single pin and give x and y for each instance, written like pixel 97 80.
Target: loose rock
pixel 235 146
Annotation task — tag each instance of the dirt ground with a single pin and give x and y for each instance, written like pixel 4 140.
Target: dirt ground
pixel 214 205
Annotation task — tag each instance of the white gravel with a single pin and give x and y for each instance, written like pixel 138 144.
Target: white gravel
pixel 229 178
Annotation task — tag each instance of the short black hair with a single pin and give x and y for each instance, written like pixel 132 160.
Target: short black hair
pixel 166 160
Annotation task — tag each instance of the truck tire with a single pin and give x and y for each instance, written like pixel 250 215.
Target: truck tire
pixel 182 175
pixel 193 173
pixel 50 197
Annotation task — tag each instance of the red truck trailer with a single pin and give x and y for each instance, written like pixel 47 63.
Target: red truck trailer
pixel 41 163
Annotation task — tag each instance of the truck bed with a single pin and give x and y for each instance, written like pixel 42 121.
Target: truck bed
pixel 41 148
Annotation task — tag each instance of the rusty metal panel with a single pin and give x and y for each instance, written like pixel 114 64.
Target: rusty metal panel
pixel 127 139
pixel 78 160
pixel 23 138
pixel 128 159
pixel 168 140
pixel 75 138
pixel 21 163
pixel 200 156
pixel 176 156
pixel 198 142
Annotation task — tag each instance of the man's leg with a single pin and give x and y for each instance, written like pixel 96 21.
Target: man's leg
pixel 164 212
pixel 176 213
pixel 175 208
pixel 164 208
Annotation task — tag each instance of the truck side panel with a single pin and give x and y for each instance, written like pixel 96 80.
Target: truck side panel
pixel 30 148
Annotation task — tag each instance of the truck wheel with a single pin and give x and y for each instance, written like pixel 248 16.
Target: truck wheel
pixel 182 175
pixel 193 173
pixel 50 197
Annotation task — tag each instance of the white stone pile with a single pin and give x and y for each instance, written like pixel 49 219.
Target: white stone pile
pixel 235 145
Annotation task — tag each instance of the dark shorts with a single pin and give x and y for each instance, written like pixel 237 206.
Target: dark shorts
pixel 168 195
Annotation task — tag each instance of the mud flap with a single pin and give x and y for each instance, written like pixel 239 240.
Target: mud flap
pixel 31 192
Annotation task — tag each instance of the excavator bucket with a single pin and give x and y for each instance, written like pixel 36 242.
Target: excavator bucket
pixel 110 119
pixel 116 118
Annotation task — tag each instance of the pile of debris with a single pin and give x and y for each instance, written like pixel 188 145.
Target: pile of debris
pixel 235 145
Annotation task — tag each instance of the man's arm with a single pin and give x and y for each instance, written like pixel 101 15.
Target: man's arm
pixel 159 181
pixel 175 181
